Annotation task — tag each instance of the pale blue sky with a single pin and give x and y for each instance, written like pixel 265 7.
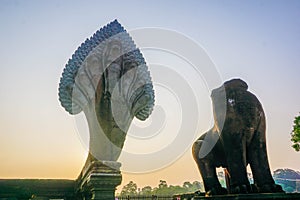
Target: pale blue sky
pixel 255 40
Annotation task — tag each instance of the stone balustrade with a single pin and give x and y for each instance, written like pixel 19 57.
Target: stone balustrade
pixel 97 181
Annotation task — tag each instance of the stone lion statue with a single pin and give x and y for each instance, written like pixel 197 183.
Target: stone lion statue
pixel 236 140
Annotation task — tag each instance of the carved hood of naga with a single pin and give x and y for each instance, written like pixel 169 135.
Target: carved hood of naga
pixel 107 78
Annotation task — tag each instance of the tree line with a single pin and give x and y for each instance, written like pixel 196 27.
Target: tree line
pixel 163 189
pixel 287 178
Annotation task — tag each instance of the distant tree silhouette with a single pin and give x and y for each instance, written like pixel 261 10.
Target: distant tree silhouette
pixel 129 189
pixel 147 190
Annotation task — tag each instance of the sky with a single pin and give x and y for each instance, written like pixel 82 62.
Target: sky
pixel 257 41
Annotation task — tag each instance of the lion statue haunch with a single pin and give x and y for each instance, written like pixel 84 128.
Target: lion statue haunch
pixel 241 141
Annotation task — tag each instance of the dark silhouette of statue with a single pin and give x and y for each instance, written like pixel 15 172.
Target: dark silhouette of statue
pixel 236 140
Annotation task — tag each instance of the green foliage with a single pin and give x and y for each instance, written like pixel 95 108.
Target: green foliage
pixel 296 134
pixel 163 189
pixel 129 189
pixel 147 190
pixel 162 184
pixel 192 187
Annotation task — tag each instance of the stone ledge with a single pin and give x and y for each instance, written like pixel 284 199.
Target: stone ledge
pixel 97 181
pixel 29 188
pixel 262 196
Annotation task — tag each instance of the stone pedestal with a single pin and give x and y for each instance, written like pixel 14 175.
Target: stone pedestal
pixel 98 180
pixel 254 196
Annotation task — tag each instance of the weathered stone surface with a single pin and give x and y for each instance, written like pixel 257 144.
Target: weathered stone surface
pixel 98 180
pixel 107 78
pixel 240 196
pixel 241 141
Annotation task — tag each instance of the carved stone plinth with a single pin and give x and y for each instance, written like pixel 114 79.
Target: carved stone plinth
pixel 98 180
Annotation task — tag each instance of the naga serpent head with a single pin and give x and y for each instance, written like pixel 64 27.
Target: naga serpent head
pixel 107 78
